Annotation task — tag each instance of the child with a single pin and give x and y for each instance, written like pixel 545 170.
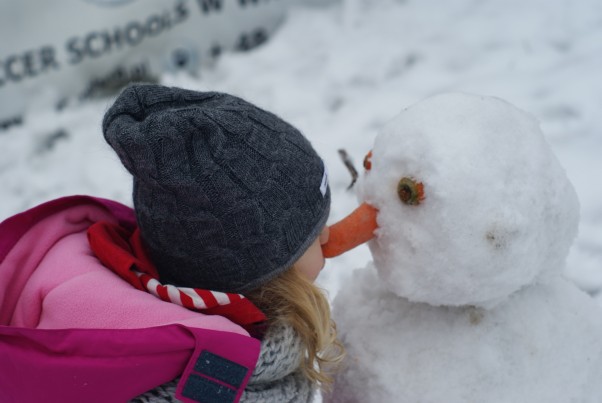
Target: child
pixel 230 198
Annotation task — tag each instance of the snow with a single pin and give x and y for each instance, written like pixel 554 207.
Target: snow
pixel 339 73
pixel 499 211
pixel 465 300
pixel 542 344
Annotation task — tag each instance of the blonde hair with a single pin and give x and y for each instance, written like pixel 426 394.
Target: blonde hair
pixel 293 299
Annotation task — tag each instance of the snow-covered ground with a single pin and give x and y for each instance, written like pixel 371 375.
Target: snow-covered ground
pixel 340 72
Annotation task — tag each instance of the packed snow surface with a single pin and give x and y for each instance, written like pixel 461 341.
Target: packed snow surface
pixel 542 344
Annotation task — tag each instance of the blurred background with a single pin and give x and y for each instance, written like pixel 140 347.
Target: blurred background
pixel 338 70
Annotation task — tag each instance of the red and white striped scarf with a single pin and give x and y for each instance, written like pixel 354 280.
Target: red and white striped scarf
pixel 122 251
pixel 191 298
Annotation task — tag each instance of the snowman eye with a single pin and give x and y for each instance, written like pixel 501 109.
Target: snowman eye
pixel 368 161
pixel 410 192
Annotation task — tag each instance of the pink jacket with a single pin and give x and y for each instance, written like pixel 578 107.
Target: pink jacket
pixel 72 330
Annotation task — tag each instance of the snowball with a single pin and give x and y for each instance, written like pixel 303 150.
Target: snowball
pixel 499 212
pixel 542 344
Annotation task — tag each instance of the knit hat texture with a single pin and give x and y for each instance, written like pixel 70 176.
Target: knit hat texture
pixel 227 195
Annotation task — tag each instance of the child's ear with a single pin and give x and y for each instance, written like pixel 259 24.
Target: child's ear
pixel 324 235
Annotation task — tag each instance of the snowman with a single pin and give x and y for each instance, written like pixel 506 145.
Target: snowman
pixel 471 218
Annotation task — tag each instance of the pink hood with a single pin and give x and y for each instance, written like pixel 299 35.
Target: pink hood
pixel 72 330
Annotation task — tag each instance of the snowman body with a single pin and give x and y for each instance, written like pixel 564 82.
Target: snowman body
pixel 465 301
pixel 541 345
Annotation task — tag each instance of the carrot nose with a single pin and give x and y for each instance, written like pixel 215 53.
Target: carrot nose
pixel 353 230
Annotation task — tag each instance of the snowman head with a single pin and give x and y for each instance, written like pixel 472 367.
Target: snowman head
pixel 472 204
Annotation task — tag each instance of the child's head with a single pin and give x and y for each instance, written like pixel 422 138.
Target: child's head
pixel 230 198
pixel 227 195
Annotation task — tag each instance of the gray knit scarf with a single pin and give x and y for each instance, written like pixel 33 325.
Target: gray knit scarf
pixel 277 377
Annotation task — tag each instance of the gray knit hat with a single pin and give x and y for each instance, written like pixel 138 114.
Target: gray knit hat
pixel 227 195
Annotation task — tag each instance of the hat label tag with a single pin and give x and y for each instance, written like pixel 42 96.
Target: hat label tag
pixel 324 184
